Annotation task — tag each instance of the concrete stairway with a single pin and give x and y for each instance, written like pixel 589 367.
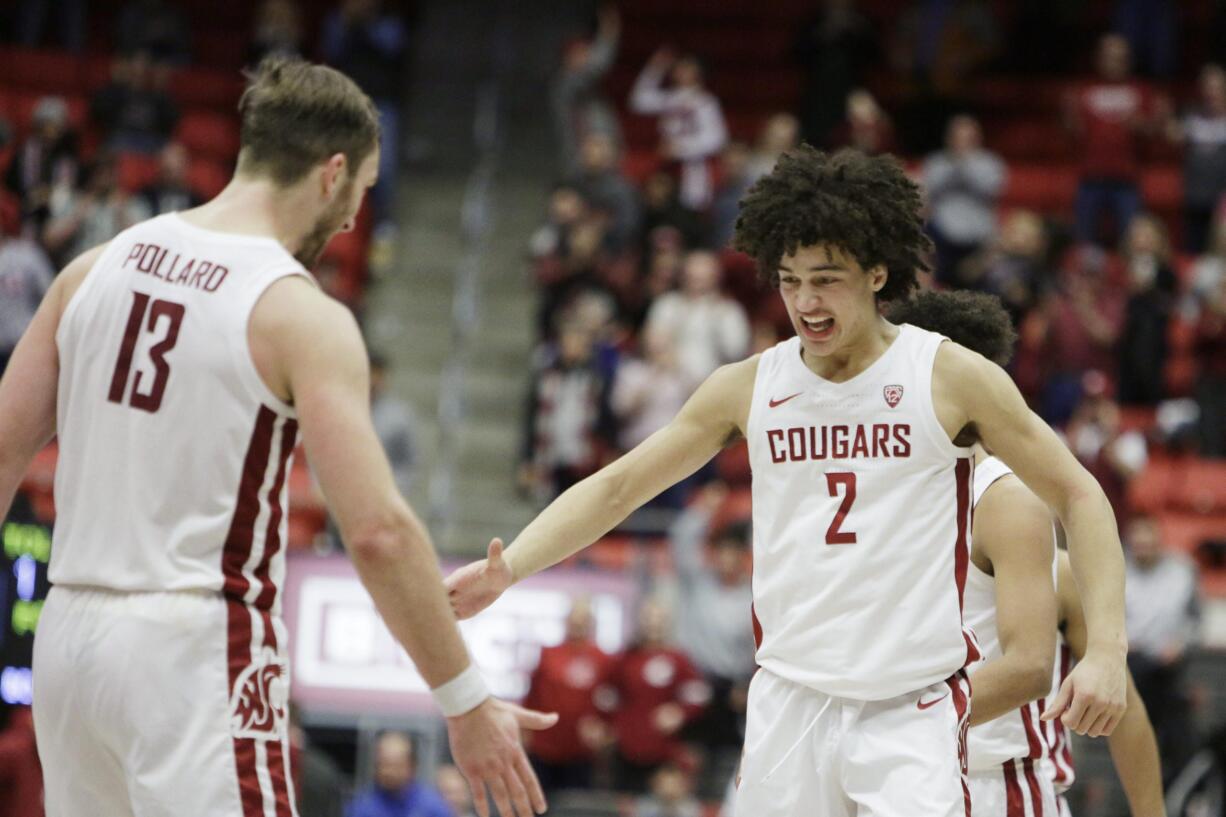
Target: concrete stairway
pixel 455 313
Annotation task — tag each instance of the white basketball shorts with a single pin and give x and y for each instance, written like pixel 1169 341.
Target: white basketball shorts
pixel 1013 789
pixel 161 704
pixel 808 753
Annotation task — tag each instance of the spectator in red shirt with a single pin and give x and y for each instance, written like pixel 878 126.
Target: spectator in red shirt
pixel 566 680
pixel 21 779
pixel 657 691
pixel 1109 117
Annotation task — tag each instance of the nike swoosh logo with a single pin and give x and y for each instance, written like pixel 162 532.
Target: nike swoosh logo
pixel 933 702
pixel 774 403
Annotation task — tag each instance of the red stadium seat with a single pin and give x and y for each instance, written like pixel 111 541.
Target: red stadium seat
pixel 1185 532
pixel 137 171
pixel 209 88
pixel 209 134
pixel 732 465
pixel 1046 188
pixel 45 71
pixel 206 178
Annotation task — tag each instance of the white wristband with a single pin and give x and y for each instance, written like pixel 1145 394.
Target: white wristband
pixel 461 694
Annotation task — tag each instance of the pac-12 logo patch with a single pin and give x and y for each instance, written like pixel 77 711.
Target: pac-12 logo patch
pixel 259 699
pixel 893 394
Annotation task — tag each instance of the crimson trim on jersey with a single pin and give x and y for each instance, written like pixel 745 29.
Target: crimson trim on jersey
pixel 272 541
pixel 962 553
pixel 1033 740
pixel 1015 804
pixel 962 708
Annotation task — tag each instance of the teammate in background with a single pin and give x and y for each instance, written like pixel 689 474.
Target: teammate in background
pixel 860 436
pixel 1019 766
pixel 178 364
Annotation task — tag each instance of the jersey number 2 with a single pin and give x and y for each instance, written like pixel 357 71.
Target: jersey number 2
pixel 847 479
pixel 151 400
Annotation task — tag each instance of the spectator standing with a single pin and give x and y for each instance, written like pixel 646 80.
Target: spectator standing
pixel 600 181
pixel 658 690
pixel 713 614
pixel 834 49
pixel 80 219
pixel 1202 132
pixel 692 129
pixel 866 127
pixel 1162 609
pixel 47 159
pixel 1109 117
pixel 25 276
pixel 133 110
pixel 277 31
pixel 170 193
pixel 569 425
pixel 648 391
pixel 579 106
pixel 566 681
pixel 396 792
pixel 1152 288
pixel 1210 351
pixel 780 134
pixel 670 795
pixel 963 183
pixel 736 177
pixel 395 425
pixel 1014 267
pixel 155 27
pixel 1112 455
pixel 708 328
pixel 369 44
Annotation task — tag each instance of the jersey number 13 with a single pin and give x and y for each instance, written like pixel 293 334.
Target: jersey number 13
pixel 164 316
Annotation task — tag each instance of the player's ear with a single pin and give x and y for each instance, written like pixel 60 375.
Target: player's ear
pixel 333 176
pixel 877 276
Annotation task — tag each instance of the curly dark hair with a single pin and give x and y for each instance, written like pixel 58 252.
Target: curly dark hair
pixel 973 319
pixel 865 205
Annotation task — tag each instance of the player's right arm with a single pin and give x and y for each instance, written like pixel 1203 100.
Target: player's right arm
pixel 310 352
pixel 1013 529
pixel 30 387
pixel 714 415
pixel 1133 746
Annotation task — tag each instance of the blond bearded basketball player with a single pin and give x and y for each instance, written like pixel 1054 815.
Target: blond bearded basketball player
pixel 1019 765
pixel 179 364
pixel 859 436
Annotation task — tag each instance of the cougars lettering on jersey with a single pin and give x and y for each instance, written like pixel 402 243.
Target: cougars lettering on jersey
pixel 861 509
pixel 1017 735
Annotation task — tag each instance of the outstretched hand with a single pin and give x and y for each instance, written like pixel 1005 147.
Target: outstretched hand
pixel 476 586
pixel 1093 698
pixel 485 744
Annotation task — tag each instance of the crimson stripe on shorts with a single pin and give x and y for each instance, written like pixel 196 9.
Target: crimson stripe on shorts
pixel 241 535
pixel 1036 796
pixel 962 709
pixel 962 555
pixel 757 626
pixel 1032 734
pixel 235 553
pixel 1015 804
pixel 272 541
pixel 279 774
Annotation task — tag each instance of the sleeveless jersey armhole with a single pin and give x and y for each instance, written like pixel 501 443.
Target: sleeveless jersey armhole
pixel 87 285
pixel 243 359
pixel 926 361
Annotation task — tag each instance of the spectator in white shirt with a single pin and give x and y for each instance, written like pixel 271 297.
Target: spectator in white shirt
pixel 692 129
pixel 708 328
pixel 1162 616
pixel 649 391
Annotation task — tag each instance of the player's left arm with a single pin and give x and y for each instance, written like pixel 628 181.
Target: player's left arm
pixel 1013 529
pixel 971 391
pixel 1133 745
pixel 30 384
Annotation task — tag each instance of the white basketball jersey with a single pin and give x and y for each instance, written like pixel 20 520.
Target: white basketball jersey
pixel 173 452
pixel 1058 757
pixel 1017 735
pixel 861 511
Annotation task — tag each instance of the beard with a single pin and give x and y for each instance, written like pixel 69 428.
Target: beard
pixel 328 224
